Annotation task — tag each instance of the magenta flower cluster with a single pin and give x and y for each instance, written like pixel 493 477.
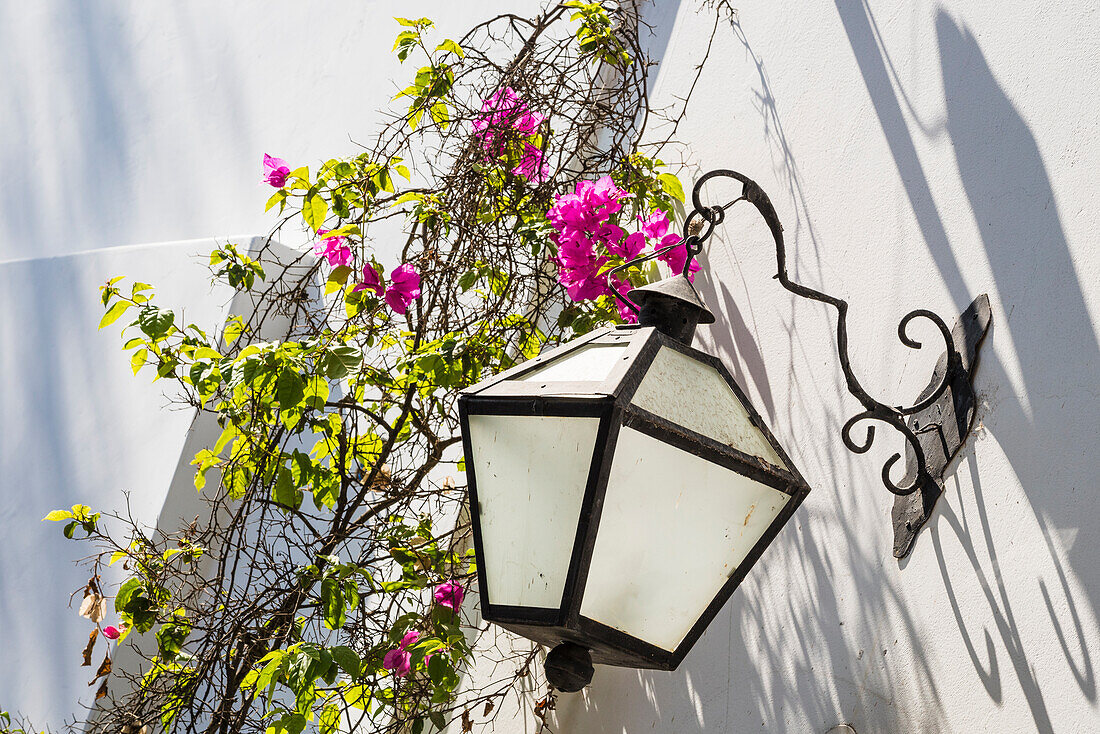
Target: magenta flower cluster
pixel 275 171
pixel 587 236
pixel 507 125
pixel 404 280
pixel 399 660
pixel 404 286
pixel 449 594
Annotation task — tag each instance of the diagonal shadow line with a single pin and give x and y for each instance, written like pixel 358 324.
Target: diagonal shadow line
pixel 999 606
pixel 855 17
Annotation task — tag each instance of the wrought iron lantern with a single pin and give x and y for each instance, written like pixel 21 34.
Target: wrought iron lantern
pixel 622 485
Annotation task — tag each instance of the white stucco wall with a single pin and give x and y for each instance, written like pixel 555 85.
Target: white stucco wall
pixel 919 154
pixel 125 122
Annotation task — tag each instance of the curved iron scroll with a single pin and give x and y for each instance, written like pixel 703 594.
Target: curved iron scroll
pixel 952 371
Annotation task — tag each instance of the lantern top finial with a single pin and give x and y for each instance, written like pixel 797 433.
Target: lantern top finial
pixel 672 306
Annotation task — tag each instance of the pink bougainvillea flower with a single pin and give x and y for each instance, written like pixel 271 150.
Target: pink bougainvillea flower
pixel 626 313
pixel 574 249
pixel 504 115
pixel 603 193
pixel 632 246
pixel 111 632
pixel 608 234
pixel 676 257
pixel 571 213
pixel 335 249
pixel 372 281
pixel 531 165
pixel 584 283
pixel 450 594
pixel 399 660
pixel 275 171
pixel 404 288
pixel 655 227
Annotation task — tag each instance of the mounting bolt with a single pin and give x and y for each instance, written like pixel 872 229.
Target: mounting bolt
pixel 569 667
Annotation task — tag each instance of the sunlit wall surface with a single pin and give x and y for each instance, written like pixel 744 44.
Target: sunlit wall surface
pixel 919 154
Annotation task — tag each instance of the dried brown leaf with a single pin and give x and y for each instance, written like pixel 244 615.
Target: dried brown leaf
pixel 102 690
pixel 104 669
pixel 488 708
pixel 94 605
pixel 88 648
pixel 467 722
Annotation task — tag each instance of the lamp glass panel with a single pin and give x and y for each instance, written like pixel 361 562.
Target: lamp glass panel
pixel 530 474
pixel 673 529
pixel 696 396
pixel 590 363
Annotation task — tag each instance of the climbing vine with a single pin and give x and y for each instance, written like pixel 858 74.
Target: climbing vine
pixel 326 584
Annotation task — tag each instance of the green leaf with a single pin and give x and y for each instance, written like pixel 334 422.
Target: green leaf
pixel 332 599
pixel 339 275
pixel 113 313
pixel 122 598
pixel 440 114
pixel 285 493
pixel 314 211
pixel 449 45
pixel 438 670
pixel 342 360
pixel 409 196
pixel 438 719
pixel 672 185
pixel 346 658
pixel 405 38
pixel 329 720
pixel 290 388
pixel 155 322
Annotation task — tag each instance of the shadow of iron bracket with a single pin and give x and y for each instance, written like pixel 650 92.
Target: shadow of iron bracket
pixel 942 427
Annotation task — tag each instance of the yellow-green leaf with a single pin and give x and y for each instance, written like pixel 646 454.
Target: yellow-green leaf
pixel 113 313
pixel 58 515
pixel 314 211
pixel 138 360
pixel 233 328
pixel 277 198
pixel 672 185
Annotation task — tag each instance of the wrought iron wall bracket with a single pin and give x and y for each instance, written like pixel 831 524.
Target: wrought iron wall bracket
pixel 934 427
pixel 943 426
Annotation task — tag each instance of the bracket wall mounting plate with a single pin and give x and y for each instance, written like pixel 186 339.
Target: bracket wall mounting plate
pixel 943 426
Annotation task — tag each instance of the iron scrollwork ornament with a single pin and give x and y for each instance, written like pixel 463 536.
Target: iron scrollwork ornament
pixel 934 427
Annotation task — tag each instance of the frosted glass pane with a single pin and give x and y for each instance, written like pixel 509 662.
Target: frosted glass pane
pixel 531 473
pixel 592 363
pixel 674 527
pixel 696 396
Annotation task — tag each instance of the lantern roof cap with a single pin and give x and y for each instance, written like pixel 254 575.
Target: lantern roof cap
pixel 673 306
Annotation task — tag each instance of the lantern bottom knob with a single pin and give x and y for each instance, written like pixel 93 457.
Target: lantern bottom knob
pixel 569 667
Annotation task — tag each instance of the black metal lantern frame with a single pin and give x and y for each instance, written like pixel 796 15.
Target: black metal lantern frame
pixel 610 402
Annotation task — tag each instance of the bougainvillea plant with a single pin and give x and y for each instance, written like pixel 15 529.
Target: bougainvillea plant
pixel 326 585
